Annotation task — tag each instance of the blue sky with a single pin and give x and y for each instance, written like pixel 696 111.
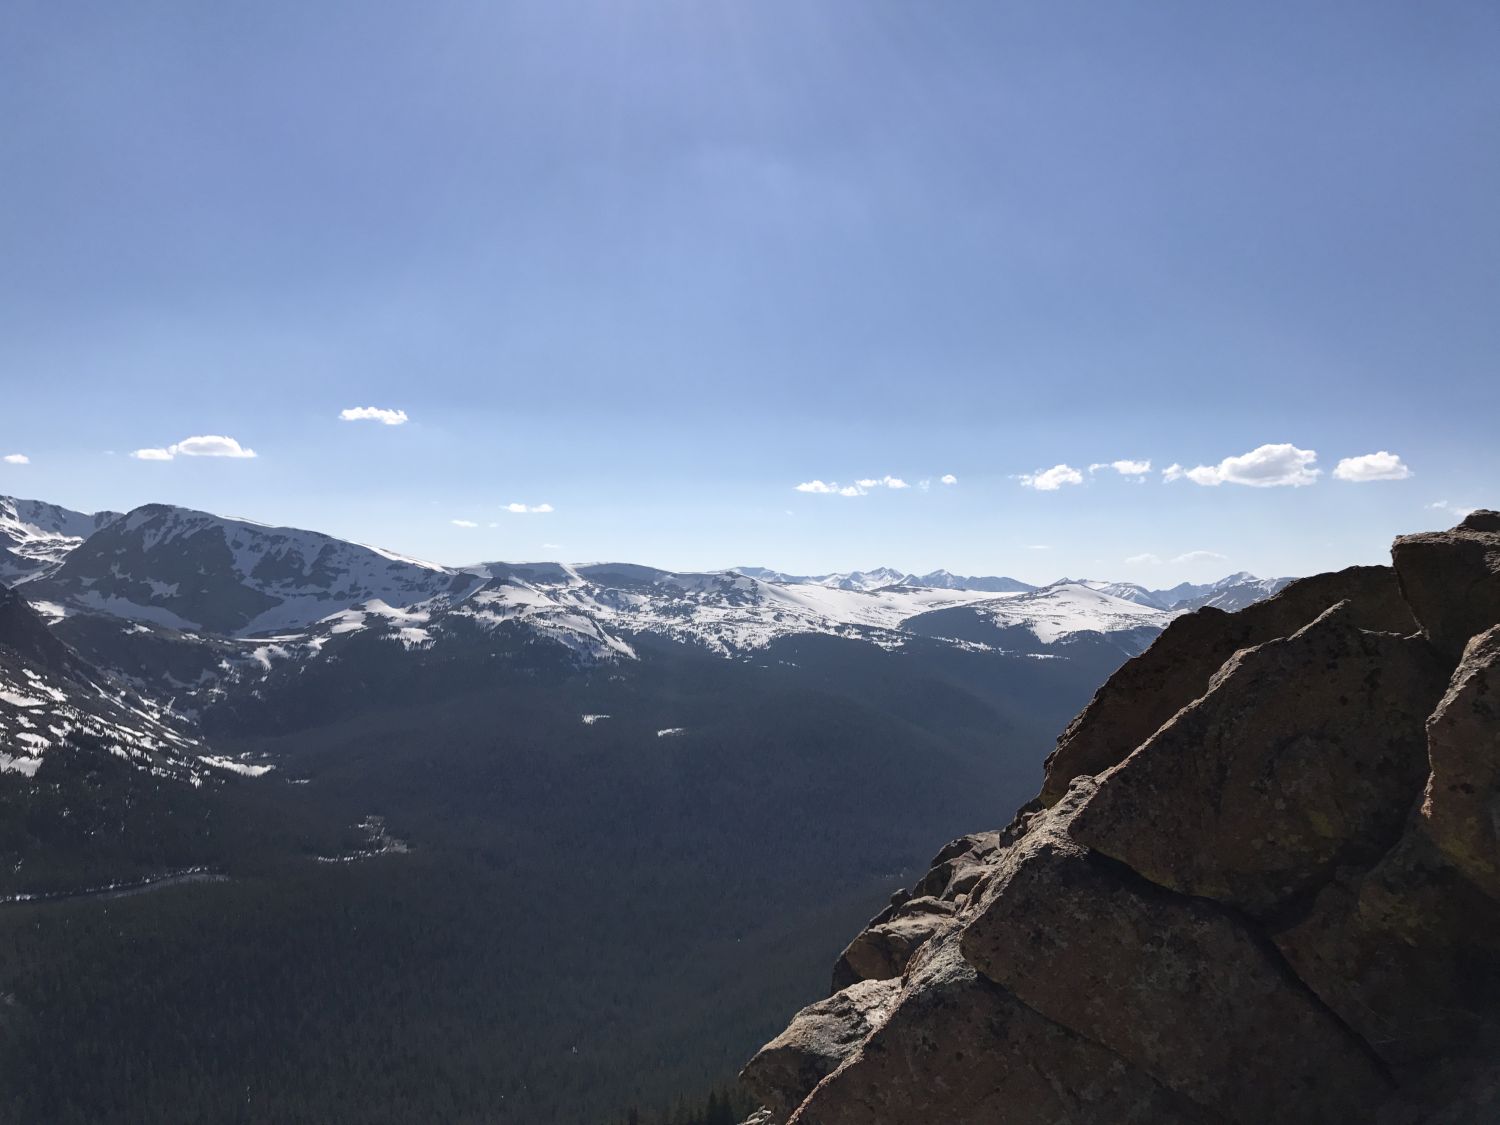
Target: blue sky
pixel 654 264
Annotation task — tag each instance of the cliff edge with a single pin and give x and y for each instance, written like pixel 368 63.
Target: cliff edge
pixel 1261 884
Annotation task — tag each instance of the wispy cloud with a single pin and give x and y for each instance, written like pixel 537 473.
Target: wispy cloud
pixel 1200 556
pixel 1126 468
pixel 374 414
pixel 1455 509
pixel 463 523
pixel 204 445
pixel 1147 559
pixel 1372 467
pixel 1050 480
pixel 16 459
pixel 858 488
pixel 1266 466
pixel 528 509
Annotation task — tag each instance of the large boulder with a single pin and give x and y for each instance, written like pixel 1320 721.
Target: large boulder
pixel 1305 754
pixel 820 1037
pixel 1407 954
pixel 887 943
pixel 1177 668
pixel 1461 810
pixel 1451 579
pixel 1177 986
pixel 958 1049
pixel 882 949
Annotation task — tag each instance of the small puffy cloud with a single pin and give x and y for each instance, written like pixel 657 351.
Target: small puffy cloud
pixel 1050 480
pixel 816 486
pixel 1200 556
pixel 948 478
pixel 1371 466
pixel 527 509
pixel 16 459
pixel 374 414
pixel 882 482
pixel 463 523
pixel 1266 466
pixel 1171 472
pixel 204 445
pixel 1148 559
pixel 1125 468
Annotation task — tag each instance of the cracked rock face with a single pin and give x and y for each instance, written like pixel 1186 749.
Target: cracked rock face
pixel 1177 668
pixel 1261 884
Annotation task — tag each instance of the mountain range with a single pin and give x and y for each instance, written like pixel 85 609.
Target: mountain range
pixel 282 735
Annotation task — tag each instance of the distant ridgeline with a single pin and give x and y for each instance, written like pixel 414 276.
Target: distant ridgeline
pixel 309 830
pixel 1261 883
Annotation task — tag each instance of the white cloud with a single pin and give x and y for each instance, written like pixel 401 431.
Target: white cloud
pixel 1372 466
pixel 204 445
pixel 1266 466
pixel 16 459
pixel 1200 556
pixel 1127 468
pixel 1148 559
pixel 463 523
pixel 858 488
pixel 1444 506
pixel 524 509
pixel 1171 472
pixel 1050 480
pixel 374 414
pixel 948 478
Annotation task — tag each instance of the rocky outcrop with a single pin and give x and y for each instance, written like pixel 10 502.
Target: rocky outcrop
pixel 821 1037
pixel 1451 580
pixel 1461 809
pixel 1303 755
pixel 1177 668
pixel 1261 883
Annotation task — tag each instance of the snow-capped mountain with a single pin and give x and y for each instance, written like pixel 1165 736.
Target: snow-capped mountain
pixel 196 571
pixel 947 580
pixel 48 695
pixel 842 580
pixel 889 576
pixel 183 609
pixel 36 536
pixel 1051 616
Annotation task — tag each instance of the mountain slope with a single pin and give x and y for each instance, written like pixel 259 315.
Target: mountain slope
pixel 49 697
pixel 193 570
pixel 36 536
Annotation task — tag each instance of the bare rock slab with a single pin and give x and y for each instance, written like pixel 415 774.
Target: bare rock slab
pixel 1451 579
pixel 1174 985
pixel 1148 690
pixel 958 1049
pixel 1305 754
